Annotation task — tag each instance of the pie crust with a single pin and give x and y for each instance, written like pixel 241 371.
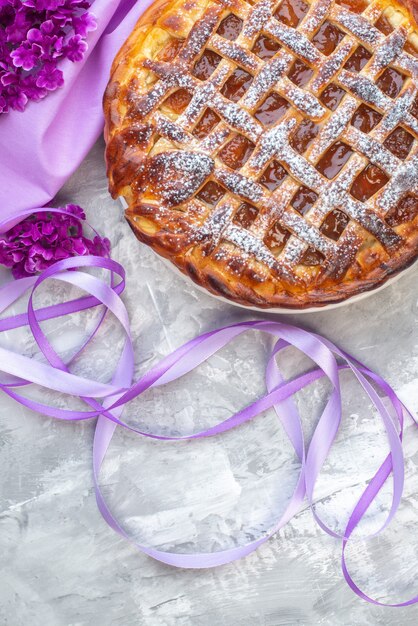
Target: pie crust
pixel 270 150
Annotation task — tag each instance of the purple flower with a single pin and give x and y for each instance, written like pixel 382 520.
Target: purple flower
pixel 44 5
pixel 9 78
pixel 25 56
pixel 49 77
pixel 31 90
pixel 47 27
pixel 84 24
pixel 76 210
pixel 44 238
pixel 16 31
pixel 16 98
pixel 75 48
pixel 34 36
pixel 3 105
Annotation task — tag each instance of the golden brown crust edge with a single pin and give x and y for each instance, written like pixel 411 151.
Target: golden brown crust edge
pixel 241 287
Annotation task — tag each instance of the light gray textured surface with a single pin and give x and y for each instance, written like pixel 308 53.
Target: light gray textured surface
pixel 62 565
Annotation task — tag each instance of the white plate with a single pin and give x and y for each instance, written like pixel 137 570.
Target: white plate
pixel 283 310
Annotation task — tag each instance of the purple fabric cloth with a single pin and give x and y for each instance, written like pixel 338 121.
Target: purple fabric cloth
pixel 42 147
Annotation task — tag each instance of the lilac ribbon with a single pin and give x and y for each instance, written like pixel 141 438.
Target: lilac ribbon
pixel 107 400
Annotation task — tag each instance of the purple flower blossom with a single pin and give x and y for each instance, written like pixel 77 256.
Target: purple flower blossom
pixel 34 36
pixel 31 90
pixel 75 48
pixel 44 238
pixel 50 77
pixel 84 24
pixel 17 99
pixel 25 56
pixel 44 5
pixel 16 30
pixel 9 78
pixel 3 105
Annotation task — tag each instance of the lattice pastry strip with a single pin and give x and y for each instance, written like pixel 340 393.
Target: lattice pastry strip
pixel 368 221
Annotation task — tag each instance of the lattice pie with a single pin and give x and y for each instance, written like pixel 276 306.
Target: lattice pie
pixel 269 150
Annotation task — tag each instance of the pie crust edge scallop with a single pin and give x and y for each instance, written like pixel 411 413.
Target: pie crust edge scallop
pixel 236 277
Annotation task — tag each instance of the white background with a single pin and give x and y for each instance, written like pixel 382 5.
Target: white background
pixel 61 565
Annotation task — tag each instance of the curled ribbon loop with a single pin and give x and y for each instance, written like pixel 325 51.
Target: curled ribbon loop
pixel 107 400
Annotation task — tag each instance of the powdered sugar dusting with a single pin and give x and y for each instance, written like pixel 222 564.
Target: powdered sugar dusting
pixel 308 233
pixel 372 149
pixel 273 142
pixel 235 52
pixel 295 41
pixel 178 175
pixel 405 180
pixel 364 89
pixel 303 100
pixel 358 25
pixel 237 117
pixel 372 222
pixel 331 66
pixel 170 130
pixel 332 130
pixel 250 245
pixel 399 111
pixel 259 15
pixel 316 15
pixel 388 50
pixel 269 75
pixel 239 185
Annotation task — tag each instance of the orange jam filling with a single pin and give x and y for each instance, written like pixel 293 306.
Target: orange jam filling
pixel 304 199
pixel 236 85
pixel 206 65
pixel 271 109
pixel 332 96
pixel 178 100
pixel 368 182
pixel 399 142
pixel 365 118
pixel 265 48
pixel 207 122
pixel 334 224
pixel 405 211
pixel 230 27
pixel 171 50
pixel 312 257
pixel 245 215
pixel 300 74
pixel 334 159
pixel 358 59
pixel 303 136
pixel 327 38
pixel 276 238
pixel 355 6
pixel 272 176
pixel 390 82
pixel 384 25
pixel 236 152
pixel 291 12
pixel 211 193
